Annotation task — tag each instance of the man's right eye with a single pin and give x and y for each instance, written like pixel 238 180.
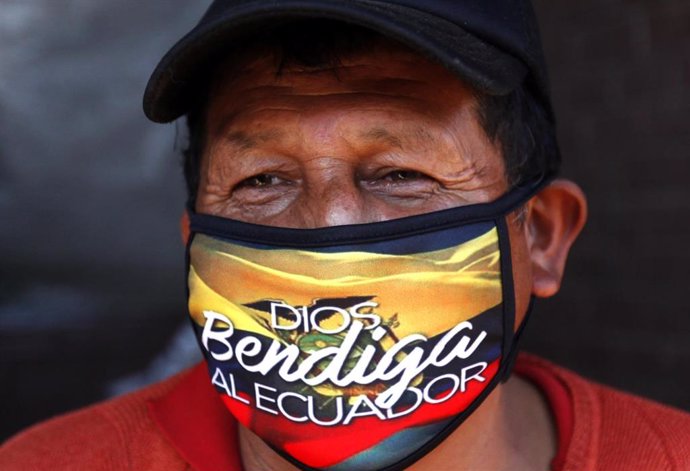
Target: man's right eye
pixel 259 181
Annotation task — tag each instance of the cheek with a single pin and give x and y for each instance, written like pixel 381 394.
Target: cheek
pixel 522 269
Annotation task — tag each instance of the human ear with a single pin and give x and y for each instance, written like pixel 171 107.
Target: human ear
pixel 556 215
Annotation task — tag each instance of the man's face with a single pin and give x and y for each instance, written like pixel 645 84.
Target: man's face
pixel 384 135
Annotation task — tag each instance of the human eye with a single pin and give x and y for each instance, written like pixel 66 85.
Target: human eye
pixel 260 181
pixel 403 183
pixel 261 188
pixel 404 176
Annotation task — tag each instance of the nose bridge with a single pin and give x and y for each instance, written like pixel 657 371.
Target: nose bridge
pixel 333 196
pixel 342 204
pixel 330 164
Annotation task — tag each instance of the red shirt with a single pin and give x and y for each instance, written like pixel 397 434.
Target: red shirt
pixel 181 424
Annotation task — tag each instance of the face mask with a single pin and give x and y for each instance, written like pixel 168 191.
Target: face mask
pixel 356 347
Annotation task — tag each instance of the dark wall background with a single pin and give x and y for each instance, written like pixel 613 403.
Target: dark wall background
pixel 91 279
pixel 620 75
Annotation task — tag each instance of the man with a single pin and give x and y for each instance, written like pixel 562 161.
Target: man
pixel 372 206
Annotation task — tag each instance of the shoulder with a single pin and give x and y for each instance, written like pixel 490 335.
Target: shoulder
pixel 641 432
pixel 615 430
pixel 115 434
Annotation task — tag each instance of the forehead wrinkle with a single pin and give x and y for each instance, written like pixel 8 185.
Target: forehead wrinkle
pixel 310 83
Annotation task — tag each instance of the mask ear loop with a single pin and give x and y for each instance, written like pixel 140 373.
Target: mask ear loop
pixel 511 338
pixel 517 338
pixel 508 294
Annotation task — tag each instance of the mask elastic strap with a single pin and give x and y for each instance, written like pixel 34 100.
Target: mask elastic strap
pixel 515 347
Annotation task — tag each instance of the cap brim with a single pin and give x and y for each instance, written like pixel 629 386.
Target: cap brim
pixel 176 80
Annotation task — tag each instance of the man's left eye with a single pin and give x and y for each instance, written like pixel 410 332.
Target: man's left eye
pixel 405 175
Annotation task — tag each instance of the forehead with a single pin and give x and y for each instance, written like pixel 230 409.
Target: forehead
pixel 384 71
pixel 356 118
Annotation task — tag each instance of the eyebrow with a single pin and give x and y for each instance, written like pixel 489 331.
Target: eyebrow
pixel 381 134
pixel 244 141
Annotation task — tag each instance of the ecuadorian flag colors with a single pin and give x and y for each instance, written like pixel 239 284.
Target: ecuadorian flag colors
pixel 302 345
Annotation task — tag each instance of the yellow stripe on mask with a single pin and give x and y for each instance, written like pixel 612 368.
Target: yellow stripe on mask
pixel 428 292
pixel 203 298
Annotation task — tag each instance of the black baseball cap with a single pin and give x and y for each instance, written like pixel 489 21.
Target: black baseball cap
pixel 493 45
